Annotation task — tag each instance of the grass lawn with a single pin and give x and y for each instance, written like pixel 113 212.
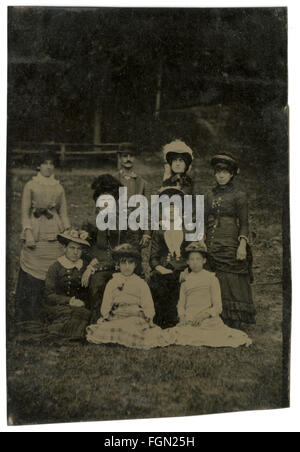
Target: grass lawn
pixel 103 382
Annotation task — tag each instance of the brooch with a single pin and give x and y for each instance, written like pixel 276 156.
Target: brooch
pixel 121 287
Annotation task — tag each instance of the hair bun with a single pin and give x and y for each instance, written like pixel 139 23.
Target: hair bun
pixel 105 184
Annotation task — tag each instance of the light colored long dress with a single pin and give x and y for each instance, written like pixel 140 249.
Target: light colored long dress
pixel 200 294
pixel 126 314
pixel 43 194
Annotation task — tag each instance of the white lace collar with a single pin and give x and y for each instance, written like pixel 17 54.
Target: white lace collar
pixel 67 264
pixel 46 181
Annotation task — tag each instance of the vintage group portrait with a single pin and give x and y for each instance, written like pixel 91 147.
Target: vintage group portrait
pixel 148 242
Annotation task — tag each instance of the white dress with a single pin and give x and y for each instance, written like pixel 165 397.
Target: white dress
pixel 200 295
pixel 127 312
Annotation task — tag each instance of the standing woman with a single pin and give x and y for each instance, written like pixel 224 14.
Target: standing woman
pixel 227 230
pixel 178 158
pixel 44 216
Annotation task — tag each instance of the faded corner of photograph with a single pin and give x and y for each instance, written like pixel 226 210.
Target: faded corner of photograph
pixel 132 323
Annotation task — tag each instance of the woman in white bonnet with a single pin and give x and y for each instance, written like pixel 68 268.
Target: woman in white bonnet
pixel 178 157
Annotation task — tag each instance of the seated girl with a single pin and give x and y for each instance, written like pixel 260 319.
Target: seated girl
pixel 127 308
pixel 65 310
pixel 200 306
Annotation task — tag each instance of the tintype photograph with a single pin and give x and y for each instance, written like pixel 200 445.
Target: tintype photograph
pixel 148 243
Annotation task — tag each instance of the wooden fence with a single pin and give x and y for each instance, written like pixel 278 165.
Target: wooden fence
pixel 18 152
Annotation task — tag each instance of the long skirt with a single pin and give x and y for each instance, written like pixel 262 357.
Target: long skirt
pixel 165 292
pixel 236 297
pixel 66 323
pixel 34 265
pixel 37 261
pixel 132 332
pixel 96 289
pixel 211 333
pixel 28 300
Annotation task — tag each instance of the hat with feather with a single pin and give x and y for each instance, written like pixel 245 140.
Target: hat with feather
pixel 74 235
pixel 196 247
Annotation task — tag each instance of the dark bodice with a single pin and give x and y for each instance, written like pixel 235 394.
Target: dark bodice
pixel 181 181
pixel 160 253
pixel 226 216
pixel 63 284
pixel 226 220
pixel 102 243
pixel 105 242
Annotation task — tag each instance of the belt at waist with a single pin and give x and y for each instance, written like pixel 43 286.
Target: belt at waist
pixel 47 212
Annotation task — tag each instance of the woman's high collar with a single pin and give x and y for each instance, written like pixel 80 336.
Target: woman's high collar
pixel 46 181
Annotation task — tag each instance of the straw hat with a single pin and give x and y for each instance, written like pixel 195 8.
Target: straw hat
pixel 196 247
pixel 74 235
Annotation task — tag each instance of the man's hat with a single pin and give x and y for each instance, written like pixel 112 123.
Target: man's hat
pixel 74 235
pixel 196 247
pixel 128 148
pixel 125 250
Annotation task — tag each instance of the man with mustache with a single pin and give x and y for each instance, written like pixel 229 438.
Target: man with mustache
pixel 136 185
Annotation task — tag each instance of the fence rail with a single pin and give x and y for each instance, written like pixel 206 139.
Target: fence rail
pixel 65 151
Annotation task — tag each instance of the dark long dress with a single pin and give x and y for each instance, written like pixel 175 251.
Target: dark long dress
pixel 65 321
pixel 102 244
pixel 226 220
pixel 28 302
pixel 165 288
